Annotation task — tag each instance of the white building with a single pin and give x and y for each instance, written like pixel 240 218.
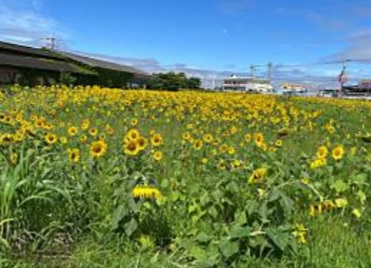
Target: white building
pixel 247 84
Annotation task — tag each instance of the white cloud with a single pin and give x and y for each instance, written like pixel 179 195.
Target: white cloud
pixel 24 23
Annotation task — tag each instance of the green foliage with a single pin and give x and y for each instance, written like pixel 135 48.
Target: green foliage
pixel 173 81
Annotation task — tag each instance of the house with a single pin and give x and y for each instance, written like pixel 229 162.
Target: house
pixel 32 66
pixel 247 84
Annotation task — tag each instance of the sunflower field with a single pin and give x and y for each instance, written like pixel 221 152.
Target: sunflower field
pixel 99 177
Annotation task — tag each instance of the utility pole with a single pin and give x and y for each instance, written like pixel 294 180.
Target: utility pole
pixel 51 42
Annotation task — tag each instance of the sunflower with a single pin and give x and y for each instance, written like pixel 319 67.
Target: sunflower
pixel 221 165
pixel 14 158
pixel 208 138
pixel 63 140
pixel 156 140
pixel 83 138
pixel 259 139
pixel 338 152
pixel 72 131
pixel 146 192
pixel 157 155
pixel 279 143
pixel 231 150
pixel 85 124
pixel 98 148
pixel 248 137
pixel 142 143
pixel 51 138
pixel 133 135
pixel 204 161
pixel 134 122
pixel 74 155
pixel 198 144
pixel 93 131
pixel 186 136
pixel 322 152
pixel 131 147
pixel 257 175
pixel 39 123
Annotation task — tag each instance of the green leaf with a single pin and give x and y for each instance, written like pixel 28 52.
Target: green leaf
pixel 360 179
pixel 279 238
pixel 274 195
pixel 340 186
pixel 287 203
pixel 228 248
pixel 240 232
pixel 198 253
pixel 362 196
pixel 131 226
pixel 119 213
pixel 203 238
pixel 251 206
pixel 240 217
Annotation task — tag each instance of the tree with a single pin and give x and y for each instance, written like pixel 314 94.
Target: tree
pixel 172 81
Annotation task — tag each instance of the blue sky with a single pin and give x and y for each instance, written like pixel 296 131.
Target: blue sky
pixel 207 38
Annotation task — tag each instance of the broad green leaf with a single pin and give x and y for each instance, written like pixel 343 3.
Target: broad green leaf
pixel 131 226
pixel 340 186
pixel 362 196
pixel 228 248
pixel 240 232
pixel 240 218
pixel 279 238
pixel 203 238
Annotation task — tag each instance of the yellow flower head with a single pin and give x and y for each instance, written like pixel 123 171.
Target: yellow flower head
pixel 98 148
pixel 157 155
pixel 257 175
pixel 156 140
pixel 131 147
pixel 146 192
pixel 72 131
pixel 74 155
pixel 338 152
pixel 51 138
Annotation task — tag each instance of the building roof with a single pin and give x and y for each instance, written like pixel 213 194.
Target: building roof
pixel 30 57
pixel 25 50
pixel 39 63
pixel 97 63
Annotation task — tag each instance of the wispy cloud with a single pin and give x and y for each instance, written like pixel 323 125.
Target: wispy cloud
pixel 326 21
pixel 24 23
pixel 358 48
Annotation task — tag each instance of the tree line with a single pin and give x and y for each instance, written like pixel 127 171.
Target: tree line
pixel 173 81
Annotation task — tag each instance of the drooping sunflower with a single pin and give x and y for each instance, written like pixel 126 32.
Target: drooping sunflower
pixel 98 148
pixel 51 138
pixel 146 192
pixel 338 152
